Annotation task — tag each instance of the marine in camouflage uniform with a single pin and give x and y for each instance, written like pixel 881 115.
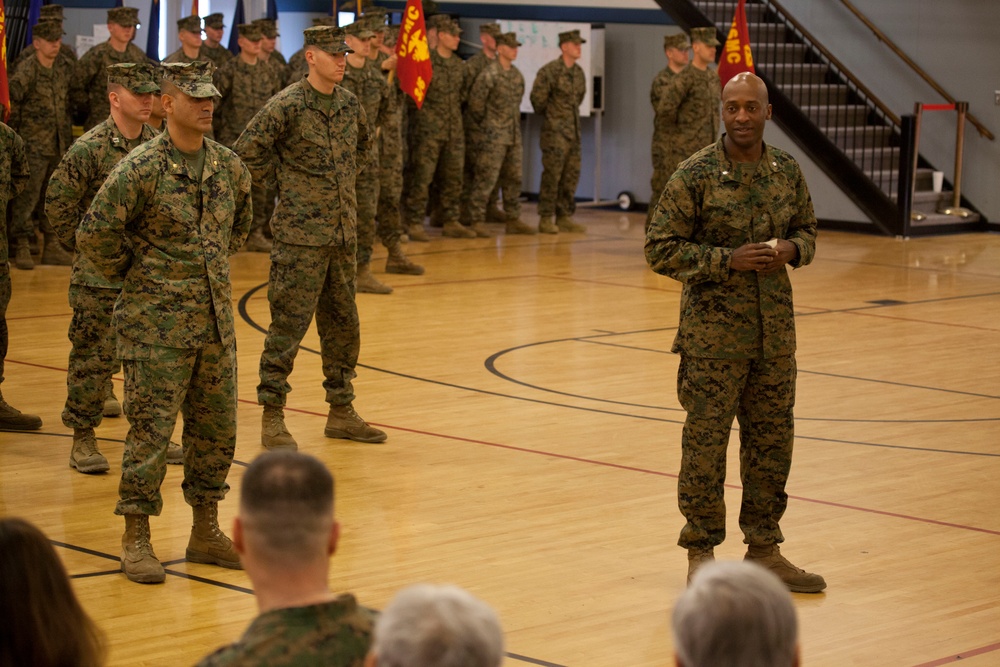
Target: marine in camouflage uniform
pixel 189 34
pixel 246 84
pixel 165 224
pixel 297 67
pixel 14 176
pixel 89 81
pixel 80 173
pixel 495 107
pixel 688 109
pixel 335 634
pixel 736 335
pixel 268 54
pixel 437 142
pixel 39 99
pixel 557 93
pixel 474 66
pixel 312 145
pixel 211 48
pixel 66 58
pixel 676 50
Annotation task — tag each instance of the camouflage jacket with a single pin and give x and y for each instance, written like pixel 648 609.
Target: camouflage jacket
pixel 297 66
pixel 179 56
pixel 217 54
pixel 372 91
pixel 662 129
pixel 66 59
pixel 39 98
pixel 279 69
pixel 245 90
pixel 90 82
pixel 313 157
pixel 76 180
pixel 442 108
pixel 495 104
pixel 14 175
pixel 709 208
pixel 333 634
pixel 167 234
pixel 557 94
pixel 689 110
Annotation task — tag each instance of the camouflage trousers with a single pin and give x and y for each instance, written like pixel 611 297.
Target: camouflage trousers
pixel 305 281
pixel 390 190
pixel 161 382
pixel 560 176
pixel 664 165
pixel 26 203
pixel 263 207
pixel 5 292
pixel 367 187
pixel 92 359
pixel 497 166
pixel 442 153
pixel 760 393
pixel 474 148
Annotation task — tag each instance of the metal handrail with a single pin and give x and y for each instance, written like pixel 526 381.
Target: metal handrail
pixel 983 131
pixel 815 43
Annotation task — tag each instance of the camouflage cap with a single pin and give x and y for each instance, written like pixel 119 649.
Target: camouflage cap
pixel 359 29
pixel 437 21
pixel 50 30
pixel 194 79
pixel 491 29
pixel 373 11
pixel 249 31
pixel 268 27
pixel 678 41
pixel 324 20
pixel 326 38
pixel 571 36
pixel 51 12
pixel 136 77
pixel 430 7
pixel 705 36
pixel 450 27
pixel 189 24
pixel 375 22
pixel 508 39
pixel 215 21
pixel 124 16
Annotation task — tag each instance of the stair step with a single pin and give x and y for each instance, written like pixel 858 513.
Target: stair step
pixel 779 53
pixel 859 136
pixel 816 93
pixel 839 115
pixel 794 73
pixel 722 12
pixel 941 219
pixel 874 158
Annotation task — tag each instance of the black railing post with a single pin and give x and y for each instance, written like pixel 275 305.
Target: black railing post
pixel 907 165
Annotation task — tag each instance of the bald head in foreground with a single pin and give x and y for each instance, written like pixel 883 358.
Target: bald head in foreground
pixel 735 614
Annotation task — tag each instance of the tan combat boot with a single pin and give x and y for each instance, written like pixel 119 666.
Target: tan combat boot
pixel 257 242
pixel 344 422
pixel 547 225
pixel 175 454
pixel 273 433
pixel 455 230
pixel 518 227
pixel 13 419
pixel 368 283
pixel 208 544
pixel 418 233
pixel 139 563
pixel 22 256
pixel 54 254
pixel 797 580
pixel 112 408
pixel 564 223
pixel 84 456
pixel 397 262
pixel 494 214
pixel 481 230
pixel 697 558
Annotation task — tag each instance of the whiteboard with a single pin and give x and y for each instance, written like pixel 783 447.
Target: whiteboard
pixel 541 45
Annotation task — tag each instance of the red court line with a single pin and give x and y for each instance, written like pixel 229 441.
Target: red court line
pixel 607 464
pixel 961 656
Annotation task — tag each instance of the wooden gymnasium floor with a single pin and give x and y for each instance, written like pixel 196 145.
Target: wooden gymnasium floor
pixel 528 391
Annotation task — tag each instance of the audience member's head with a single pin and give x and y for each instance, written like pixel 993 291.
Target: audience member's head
pixel 44 624
pixel 436 626
pixel 735 614
pixel 285 518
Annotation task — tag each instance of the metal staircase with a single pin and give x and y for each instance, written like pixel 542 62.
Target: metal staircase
pixel 857 140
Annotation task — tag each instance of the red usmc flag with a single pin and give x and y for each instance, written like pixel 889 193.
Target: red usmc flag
pixel 736 56
pixel 414 65
pixel 4 88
